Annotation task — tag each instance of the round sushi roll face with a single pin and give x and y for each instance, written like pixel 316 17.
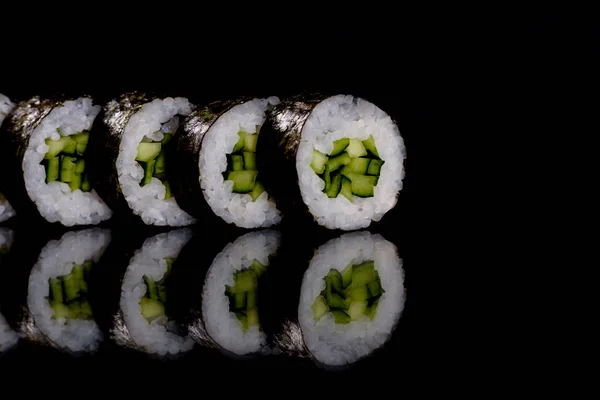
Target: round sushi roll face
pixel 6 210
pixel 143 295
pixel 345 325
pixel 57 290
pixel 233 275
pixel 8 337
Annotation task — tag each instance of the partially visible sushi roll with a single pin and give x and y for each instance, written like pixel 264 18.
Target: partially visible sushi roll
pixel 339 157
pixel 6 210
pixel 58 290
pixel 351 299
pixel 143 321
pixel 8 337
pixel 216 169
pixel 43 151
pixel 131 168
pixel 230 296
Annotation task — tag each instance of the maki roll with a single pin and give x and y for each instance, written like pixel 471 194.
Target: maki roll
pixel 340 157
pixel 217 163
pixel 134 134
pixel 351 298
pixel 43 146
pixel 6 210
pixel 144 313
pixel 8 337
pixel 58 290
pixel 230 296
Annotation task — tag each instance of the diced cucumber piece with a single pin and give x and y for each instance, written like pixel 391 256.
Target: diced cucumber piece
pixel 86 185
pixel 70 147
pixel 339 146
pixel 356 149
pixel 239 300
pixel 257 190
pixel 258 268
pixel 357 309
pixel 159 166
pixel 251 299
pixel 161 291
pixel 60 310
pixel 148 151
pixel 372 309
pixel 375 288
pixel 168 193
pixel 75 182
pixel 77 272
pixel 80 166
pixel 148 172
pixel 53 169
pixel 56 290
pixel 318 162
pixel 169 261
pixel 243 319
pixel 334 300
pixel 320 307
pixel 81 148
pixel 347 276
pixel 370 145
pixel 250 143
pixel 243 181
pixel 338 162
pixel 357 293
pixel 363 185
pixel 375 167
pixel 70 288
pixel 166 138
pixel 249 160
pixel 358 165
pixel 336 280
pixel 363 274
pixel 240 143
pixel 82 137
pixel 67 168
pixel 85 310
pixel 326 178
pixel 244 281
pixel 252 315
pixel 151 291
pixel 56 146
pixel 334 188
pixel 237 162
pixel 152 309
pixel 340 317
pixel 346 189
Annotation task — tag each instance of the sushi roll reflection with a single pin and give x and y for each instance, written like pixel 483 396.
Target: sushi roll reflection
pixel 340 157
pixel 6 210
pixel 57 297
pixel 351 299
pixel 43 146
pixel 143 303
pixel 8 337
pixel 217 166
pixel 231 292
pixel 134 134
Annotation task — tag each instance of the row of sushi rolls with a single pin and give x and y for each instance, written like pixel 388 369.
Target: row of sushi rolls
pixel 246 162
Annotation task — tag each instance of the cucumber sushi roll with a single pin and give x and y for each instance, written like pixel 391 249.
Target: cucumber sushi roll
pixel 135 133
pixel 8 337
pixel 144 318
pixel 6 210
pixel 57 297
pixel 351 298
pixel 44 147
pixel 230 295
pixel 217 155
pixel 340 157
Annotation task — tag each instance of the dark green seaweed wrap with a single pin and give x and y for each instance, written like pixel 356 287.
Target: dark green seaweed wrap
pixel 186 188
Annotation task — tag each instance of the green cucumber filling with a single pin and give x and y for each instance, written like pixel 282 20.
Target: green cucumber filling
pixel 69 293
pixel 151 156
pixel 241 166
pixel 349 294
pixel 64 161
pixel 243 294
pixel 154 302
pixel 351 169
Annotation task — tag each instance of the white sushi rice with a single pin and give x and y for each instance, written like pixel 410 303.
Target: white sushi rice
pixel 56 259
pixel 8 337
pixel 148 201
pixel 6 210
pixel 338 344
pixel 221 324
pixel 55 201
pixel 150 260
pixel 340 117
pixel 220 139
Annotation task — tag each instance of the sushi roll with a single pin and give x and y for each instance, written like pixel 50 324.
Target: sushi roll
pixel 43 146
pixel 339 157
pixel 57 297
pixel 8 337
pixel 231 293
pixel 6 210
pixel 216 168
pixel 351 298
pixel 134 134
pixel 143 322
